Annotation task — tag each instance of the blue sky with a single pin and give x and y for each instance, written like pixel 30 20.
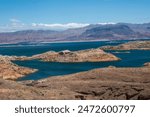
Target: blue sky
pixel 35 12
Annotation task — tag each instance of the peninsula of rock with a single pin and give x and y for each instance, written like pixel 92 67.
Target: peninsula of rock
pixel 11 71
pixel 133 45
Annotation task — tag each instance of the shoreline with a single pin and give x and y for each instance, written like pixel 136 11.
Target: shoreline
pixel 112 82
pixel 57 42
pixel 104 83
pixel 81 56
pixel 101 40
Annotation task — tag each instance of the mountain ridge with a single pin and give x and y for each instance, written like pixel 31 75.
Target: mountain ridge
pixel 119 31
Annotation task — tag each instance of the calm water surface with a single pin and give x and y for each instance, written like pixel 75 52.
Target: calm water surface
pixel 134 58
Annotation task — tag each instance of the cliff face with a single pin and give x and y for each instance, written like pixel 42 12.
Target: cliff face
pixel 91 55
pixel 135 45
pixel 10 71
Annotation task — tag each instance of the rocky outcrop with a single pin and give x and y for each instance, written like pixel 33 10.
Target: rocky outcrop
pixel 105 83
pixel 12 90
pixel 11 71
pixel 147 64
pixel 135 45
pixel 91 55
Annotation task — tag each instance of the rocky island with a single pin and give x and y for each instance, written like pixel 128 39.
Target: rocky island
pixel 90 55
pixel 135 45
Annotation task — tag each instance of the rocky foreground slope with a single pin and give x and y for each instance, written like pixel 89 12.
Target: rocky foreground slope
pixel 11 71
pixel 135 45
pixel 104 83
pixel 90 55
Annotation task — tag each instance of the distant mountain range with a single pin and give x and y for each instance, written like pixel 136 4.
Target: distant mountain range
pixel 120 31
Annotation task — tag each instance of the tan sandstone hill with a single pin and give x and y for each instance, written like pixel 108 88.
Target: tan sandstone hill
pixel 90 55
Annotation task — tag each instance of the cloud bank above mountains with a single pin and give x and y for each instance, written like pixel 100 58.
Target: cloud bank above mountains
pixel 15 25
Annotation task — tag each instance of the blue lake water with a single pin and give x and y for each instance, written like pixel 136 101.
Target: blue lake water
pixel 134 58
pixel 32 49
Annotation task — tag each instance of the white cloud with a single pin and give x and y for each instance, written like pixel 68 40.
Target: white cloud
pixel 60 26
pixel 15 25
pixel 106 23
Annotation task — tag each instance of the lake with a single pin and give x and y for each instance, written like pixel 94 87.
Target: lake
pixel 133 58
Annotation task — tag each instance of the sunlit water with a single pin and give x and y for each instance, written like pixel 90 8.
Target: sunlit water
pixel 134 58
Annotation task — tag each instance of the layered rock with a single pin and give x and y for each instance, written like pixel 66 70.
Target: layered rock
pixel 91 55
pixel 11 71
pixel 135 45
